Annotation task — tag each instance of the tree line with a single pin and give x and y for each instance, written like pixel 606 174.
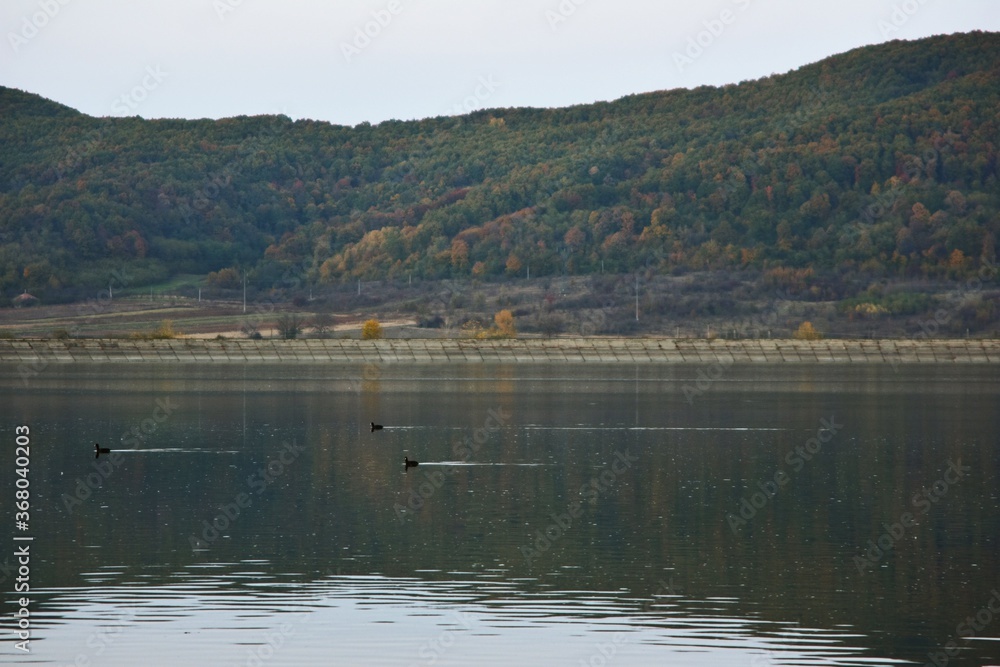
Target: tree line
pixel 881 161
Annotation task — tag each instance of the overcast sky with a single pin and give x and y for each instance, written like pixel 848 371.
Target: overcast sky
pixel 372 60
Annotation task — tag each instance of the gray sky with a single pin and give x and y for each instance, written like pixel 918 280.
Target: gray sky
pixel 347 62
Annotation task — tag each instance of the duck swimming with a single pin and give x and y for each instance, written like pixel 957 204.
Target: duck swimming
pixel 98 450
pixel 410 464
pixel 376 427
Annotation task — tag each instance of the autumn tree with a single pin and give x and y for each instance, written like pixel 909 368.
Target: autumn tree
pixel 372 330
pixel 807 331
pixel 504 321
pixel 224 279
pixel 459 254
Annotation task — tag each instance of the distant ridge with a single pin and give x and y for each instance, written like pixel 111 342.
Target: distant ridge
pixel 881 161
pixel 16 104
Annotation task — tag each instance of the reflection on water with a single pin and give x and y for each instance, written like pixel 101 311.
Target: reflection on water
pixel 235 613
pixel 173 450
pixel 559 515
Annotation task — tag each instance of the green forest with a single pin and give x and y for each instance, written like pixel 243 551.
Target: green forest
pixel 881 161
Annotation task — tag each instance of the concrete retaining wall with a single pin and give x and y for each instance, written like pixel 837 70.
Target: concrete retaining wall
pixel 558 350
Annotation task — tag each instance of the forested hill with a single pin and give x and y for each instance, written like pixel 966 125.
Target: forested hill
pixel 881 160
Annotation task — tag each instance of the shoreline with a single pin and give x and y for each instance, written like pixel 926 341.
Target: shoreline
pixel 519 351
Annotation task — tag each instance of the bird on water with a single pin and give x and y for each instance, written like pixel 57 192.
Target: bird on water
pixel 376 427
pixel 408 463
pixel 98 450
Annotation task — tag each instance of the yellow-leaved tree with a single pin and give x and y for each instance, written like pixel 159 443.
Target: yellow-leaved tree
pixel 807 331
pixel 504 321
pixel 371 330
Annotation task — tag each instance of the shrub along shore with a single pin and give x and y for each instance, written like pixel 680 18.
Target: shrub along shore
pixel 550 350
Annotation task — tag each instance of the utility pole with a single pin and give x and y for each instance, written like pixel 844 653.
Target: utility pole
pixel 637 297
pixel 244 292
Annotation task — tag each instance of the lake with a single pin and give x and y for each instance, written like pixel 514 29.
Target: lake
pixel 560 515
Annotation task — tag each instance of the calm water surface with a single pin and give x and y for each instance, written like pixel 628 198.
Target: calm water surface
pixel 561 515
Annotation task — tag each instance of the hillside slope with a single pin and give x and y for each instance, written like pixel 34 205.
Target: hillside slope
pixel 882 160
